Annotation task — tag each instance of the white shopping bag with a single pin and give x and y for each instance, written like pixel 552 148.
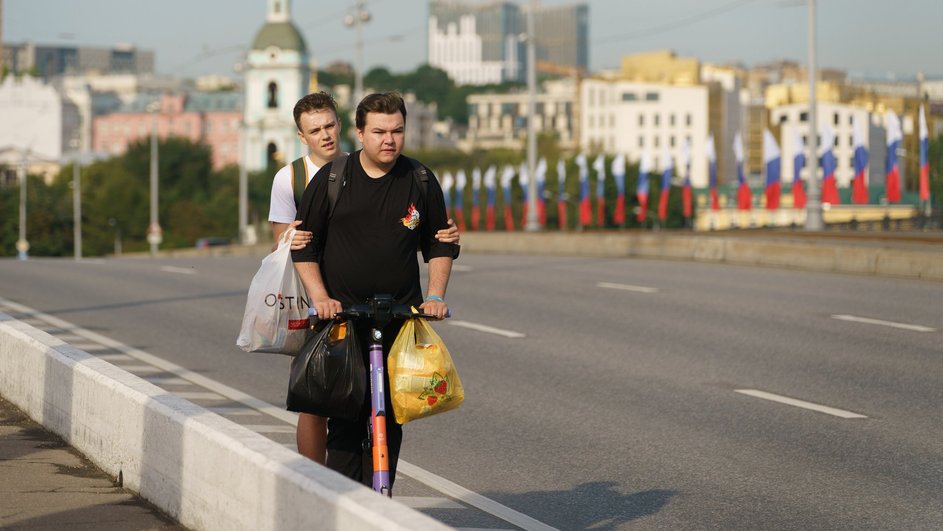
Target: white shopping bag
pixel 276 316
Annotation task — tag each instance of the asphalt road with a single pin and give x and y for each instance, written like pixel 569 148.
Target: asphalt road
pixel 612 393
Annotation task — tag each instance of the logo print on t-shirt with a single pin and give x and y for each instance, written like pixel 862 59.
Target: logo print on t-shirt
pixel 411 221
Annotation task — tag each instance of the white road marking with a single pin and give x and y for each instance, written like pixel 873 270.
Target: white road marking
pixel 626 287
pixel 905 326
pixel 198 395
pixel 474 499
pixel 428 502
pixel 111 358
pixel 232 411
pixel 486 329
pixel 164 380
pixel 438 483
pixel 139 368
pixel 801 403
pixel 181 270
pixel 270 428
pixel 461 267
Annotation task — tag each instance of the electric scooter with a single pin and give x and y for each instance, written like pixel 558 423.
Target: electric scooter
pixel 379 310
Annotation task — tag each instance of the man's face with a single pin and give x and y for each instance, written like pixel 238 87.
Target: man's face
pixel 320 130
pixel 382 137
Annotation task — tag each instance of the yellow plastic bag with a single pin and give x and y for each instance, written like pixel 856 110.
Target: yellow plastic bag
pixel 423 379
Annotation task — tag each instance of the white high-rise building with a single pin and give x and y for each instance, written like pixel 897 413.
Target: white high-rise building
pixel 481 42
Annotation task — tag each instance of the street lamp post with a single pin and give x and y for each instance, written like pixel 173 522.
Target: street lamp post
pixel 77 200
pixel 813 216
pixel 533 221
pixel 357 19
pixel 154 233
pixel 243 185
pixel 22 246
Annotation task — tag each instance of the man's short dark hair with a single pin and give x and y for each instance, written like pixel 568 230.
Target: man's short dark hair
pixel 316 101
pixel 385 103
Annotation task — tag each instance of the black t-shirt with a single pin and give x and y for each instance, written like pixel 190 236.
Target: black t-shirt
pixel 369 245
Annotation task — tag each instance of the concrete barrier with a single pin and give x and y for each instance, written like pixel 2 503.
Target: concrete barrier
pixel 203 470
pixel 872 257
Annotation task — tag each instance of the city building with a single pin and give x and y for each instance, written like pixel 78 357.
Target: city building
pixel 633 117
pixel 500 120
pixel 31 132
pixel 50 61
pixel 479 43
pixel 659 101
pixel 277 75
pixel 561 36
pixel 212 118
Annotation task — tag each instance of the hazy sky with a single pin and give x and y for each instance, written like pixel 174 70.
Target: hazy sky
pixel 876 38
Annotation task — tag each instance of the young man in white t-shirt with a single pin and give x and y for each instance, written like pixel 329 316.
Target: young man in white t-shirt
pixel 318 128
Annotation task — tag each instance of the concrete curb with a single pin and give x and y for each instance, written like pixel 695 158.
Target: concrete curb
pixel 923 261
pixel 203 470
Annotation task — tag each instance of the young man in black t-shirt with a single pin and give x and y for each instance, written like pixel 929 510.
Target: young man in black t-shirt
pixel 369 246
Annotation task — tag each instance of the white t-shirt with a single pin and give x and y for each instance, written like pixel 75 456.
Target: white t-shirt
pixel 282 206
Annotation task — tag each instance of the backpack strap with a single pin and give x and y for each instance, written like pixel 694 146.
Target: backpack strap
pixel 335 181
pixel 421 175
pixel 299 179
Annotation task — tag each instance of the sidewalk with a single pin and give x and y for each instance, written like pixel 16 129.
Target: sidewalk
pixel 46 484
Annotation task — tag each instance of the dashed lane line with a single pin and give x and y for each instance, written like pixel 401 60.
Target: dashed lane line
pixel 868 320
pixel 626 287
pixel 180 270
pixel 801 403
pixel 487 329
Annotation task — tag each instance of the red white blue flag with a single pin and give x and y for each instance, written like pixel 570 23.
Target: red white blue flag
pixel 447 183
pixel 600 166
pixel 859 185
pixel 641 188
pixel 541 176
pixel 829 165
pixel 667 172
pixel 459 199
pixel 476 193
pixel 687 194
pixel 772 158
pixel 561 194
pixel 618 173
pixel 894 137
pixel 798 162
pixel 924 158
pixel 586 210
pixel 712 171
pixel 744 195
pixel 506 176
pixel 491 191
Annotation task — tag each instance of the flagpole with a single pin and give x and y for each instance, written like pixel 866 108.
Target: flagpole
pixel 533 224
pixel 813 216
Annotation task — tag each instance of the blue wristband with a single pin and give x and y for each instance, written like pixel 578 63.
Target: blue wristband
pixel 434 298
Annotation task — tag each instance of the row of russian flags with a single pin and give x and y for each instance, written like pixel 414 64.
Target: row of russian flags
pixel 828 162
pixel 454 186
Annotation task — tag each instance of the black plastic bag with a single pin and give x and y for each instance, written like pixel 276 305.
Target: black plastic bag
pixel 328 377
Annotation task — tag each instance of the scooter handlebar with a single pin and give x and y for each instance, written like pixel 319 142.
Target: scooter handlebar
pixel 400 311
